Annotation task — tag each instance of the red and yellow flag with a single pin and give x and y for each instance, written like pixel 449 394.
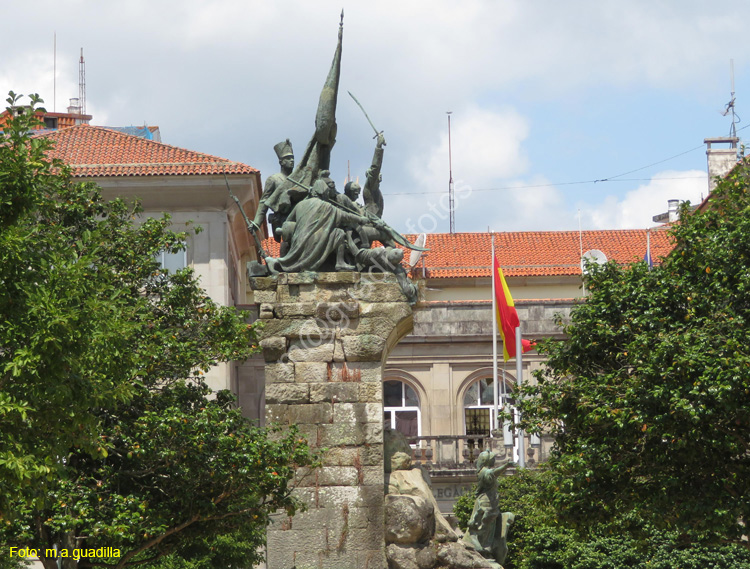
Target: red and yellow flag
pixel 507 317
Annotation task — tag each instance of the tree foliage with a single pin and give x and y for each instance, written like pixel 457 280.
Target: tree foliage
pixel 184 475
pixel 108 435
pixel 649 396
pixel 539 539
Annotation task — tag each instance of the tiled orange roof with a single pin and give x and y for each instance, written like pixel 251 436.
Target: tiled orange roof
pixel 536 253
pixel 94 151
pixel 529 253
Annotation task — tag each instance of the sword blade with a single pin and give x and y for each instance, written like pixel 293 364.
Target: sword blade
pixel 377 132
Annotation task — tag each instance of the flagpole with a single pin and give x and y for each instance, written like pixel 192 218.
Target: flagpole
pixel 580 243
pixel 495 391
pixel 519 383
pixel 511 326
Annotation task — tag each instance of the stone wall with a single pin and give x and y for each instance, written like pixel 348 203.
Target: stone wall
pixel 325 337
pixel 474 318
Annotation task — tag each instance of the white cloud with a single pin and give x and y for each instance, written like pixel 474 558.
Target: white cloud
pixel 445 49
pixel 532 204
pixel 529 205
pixel 541 208
pixel 233 77
pixel 486 145
pixel 637 207
pixel 32 72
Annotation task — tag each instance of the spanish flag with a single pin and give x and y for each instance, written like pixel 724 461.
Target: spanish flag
pixel 507 317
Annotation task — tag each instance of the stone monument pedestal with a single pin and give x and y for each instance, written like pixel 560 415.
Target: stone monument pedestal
pixel 325 339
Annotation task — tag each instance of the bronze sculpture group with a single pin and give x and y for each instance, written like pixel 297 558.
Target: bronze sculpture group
pixel 318 228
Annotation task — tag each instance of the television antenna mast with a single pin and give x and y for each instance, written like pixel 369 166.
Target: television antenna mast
pixel 54 73
pixel 730 105
pixel 451 209
pixel 82 84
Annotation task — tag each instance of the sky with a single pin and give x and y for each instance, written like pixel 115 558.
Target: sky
pixel 564 115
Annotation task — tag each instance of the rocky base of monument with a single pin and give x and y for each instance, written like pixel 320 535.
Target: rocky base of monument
pixel 417 535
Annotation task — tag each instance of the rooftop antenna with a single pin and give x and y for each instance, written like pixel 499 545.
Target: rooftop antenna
pixel 54 72
pixel 82 84
pixel 730 105
pixel 592 256
pixel 451 209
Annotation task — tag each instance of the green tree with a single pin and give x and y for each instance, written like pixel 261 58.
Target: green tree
pixel 539 539
pixel 87 314
pixel 184 476
pixel 108 435
pixel 648 398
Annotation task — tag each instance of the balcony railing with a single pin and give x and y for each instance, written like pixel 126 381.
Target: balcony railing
pixel 457 454
pixel 452 453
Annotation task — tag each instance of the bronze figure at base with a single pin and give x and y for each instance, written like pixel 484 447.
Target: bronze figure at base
pixel 488 528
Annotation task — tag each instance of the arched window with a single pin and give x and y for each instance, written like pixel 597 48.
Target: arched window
pixel 479 409
pixel 401 408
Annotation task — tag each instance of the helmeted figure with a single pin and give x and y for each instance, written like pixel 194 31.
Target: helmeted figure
pixel 279 195
pixel 348 200
pixel 373 207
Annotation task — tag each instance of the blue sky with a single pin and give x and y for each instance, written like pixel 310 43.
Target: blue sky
pixel 543 94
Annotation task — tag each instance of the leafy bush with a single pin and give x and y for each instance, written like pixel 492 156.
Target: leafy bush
pixel 539 540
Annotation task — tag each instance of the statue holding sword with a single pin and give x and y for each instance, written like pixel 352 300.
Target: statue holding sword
pixel 371 194
pixel 318 228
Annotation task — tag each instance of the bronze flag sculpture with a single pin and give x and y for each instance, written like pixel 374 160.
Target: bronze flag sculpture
pixel 318 228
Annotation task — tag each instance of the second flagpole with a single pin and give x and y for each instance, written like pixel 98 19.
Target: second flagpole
pixel 519 383
pixel 495 390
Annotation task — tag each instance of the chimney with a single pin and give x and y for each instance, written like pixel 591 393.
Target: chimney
pixel 673 207
pixel 671 215
pixel 74 108
pixel 720 160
